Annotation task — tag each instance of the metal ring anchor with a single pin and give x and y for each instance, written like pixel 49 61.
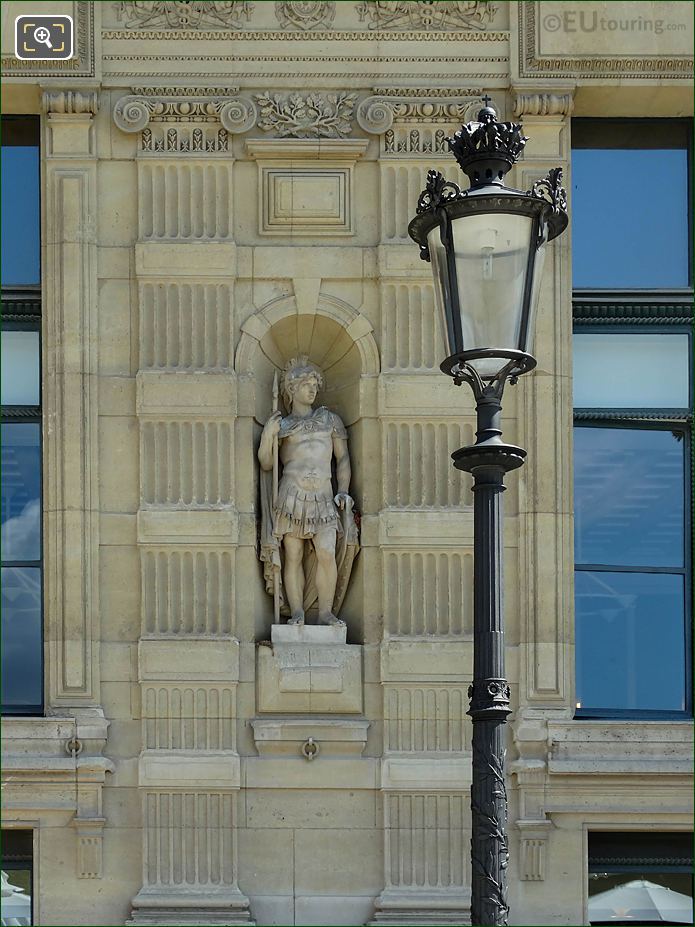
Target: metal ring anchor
pixel 310 749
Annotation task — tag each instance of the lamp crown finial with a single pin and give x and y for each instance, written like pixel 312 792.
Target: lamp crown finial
pixel 486 149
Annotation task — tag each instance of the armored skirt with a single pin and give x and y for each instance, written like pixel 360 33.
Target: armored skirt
pixel 305 495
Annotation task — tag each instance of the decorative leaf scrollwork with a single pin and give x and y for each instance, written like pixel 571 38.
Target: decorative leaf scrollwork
pixel 551 190
pixel 437 190
pixel 489 807
pixel 314 115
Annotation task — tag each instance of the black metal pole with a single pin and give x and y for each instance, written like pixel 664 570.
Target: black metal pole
pixel 488 460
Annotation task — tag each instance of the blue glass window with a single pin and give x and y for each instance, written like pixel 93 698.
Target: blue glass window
pixel 633 411
pixel 20 529
pixel 22 645
pixel 629 497
pixel 638 237
pixel 631 575
pixel 21 250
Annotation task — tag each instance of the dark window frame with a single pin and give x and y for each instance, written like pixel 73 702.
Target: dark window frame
pixel 653 133
pixel 21 311
pixel 657 419
pixel 639 857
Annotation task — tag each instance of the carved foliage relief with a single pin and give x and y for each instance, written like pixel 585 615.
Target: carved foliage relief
pixel 195 14
pixel 385 14
pixel 306 15
pixel 311 115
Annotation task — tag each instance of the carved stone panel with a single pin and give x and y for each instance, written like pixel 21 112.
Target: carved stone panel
pixel 599 40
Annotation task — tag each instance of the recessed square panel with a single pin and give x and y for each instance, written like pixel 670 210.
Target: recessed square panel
pixel 306 201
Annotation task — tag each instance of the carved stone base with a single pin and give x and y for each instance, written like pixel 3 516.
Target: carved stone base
pixel 163 909
pixel 429 907
pixel 309 668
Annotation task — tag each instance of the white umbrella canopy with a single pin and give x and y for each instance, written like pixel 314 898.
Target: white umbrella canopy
pixel 16 906
pixel 641 901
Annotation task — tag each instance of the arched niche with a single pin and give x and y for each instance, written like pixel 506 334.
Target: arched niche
pixel 336 338
pixel 340 341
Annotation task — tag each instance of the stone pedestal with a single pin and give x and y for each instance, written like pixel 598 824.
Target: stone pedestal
pixel 307 669
pixel 199 908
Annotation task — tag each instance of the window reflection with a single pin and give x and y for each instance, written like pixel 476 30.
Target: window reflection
pixel 644 242
pixel 21 492
pixel 631 371
pixel 20 214
pixel 629 497
pixel 21 637
pixel 630 642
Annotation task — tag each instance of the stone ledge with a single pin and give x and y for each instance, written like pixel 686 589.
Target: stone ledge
pixel 177 393
pixel 188 526
pixel 185 259
pixel 324 772
pixel 427 660
pixel 190 905
pixel 620 747
pixel 436 772
pixel 308 634
pixel 427 529
pixel 290 149
pixel 334 736
pixel 188 659
pixel 169 769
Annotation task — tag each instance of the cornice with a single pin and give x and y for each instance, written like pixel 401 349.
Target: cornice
pixel 278 36
pixel 325 149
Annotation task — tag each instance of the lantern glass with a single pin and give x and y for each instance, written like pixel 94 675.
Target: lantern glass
pixel 491 262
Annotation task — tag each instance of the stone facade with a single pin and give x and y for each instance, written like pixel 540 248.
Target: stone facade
pixel 226 185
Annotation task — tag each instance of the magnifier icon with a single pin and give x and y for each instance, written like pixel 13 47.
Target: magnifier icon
pixel 43 35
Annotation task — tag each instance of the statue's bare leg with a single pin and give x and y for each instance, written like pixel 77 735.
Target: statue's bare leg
pixel 294 578
pixel 326 574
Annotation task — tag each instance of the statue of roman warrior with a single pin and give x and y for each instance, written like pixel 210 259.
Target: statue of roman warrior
pixel 308 532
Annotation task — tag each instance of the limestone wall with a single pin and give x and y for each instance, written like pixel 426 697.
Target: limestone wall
pixel 197 233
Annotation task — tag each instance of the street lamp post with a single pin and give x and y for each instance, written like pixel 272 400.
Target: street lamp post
pixel 486 246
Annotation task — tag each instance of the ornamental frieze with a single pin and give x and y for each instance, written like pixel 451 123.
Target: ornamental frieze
pixel 305 15
pixel 196 14
pixel 440 14
pixel 198 119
